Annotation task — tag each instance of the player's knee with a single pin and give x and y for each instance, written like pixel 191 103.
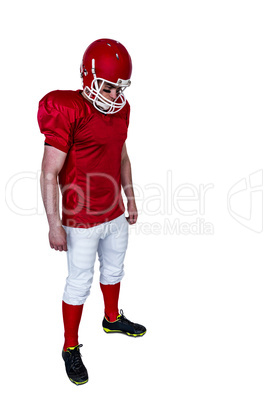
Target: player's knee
pixel 112 279
pixel 76 294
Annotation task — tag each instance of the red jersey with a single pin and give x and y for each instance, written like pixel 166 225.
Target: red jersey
pixel 90 180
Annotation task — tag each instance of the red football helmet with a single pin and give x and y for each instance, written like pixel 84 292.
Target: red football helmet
pixel 106 61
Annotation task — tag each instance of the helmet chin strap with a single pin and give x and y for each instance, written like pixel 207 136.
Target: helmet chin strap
pixel 102 105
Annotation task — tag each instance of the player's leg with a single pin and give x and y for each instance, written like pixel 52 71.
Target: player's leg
pixel 71 319
pixel 110 297
pixel 112 249
pixel 82 246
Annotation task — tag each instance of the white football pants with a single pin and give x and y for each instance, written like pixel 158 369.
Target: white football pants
pixel 110 241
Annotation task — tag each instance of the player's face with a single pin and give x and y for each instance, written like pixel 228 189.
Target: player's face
pixel 109 91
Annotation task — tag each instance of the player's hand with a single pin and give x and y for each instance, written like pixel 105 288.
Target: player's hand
pixel 132 212
pixel 57 238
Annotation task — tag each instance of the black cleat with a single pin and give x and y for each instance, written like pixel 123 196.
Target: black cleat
pixel 75 368
pixel 123 325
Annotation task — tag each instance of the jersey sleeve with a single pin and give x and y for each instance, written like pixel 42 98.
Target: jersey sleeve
pixel 55 122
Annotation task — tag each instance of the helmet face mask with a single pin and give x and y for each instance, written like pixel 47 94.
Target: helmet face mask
pixel 100 102
pixel 106 61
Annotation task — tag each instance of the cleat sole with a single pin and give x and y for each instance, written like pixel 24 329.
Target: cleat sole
pixel 78 383
pixel 109 331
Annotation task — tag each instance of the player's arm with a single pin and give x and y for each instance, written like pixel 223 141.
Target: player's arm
pixel 52 164
pixel 126 180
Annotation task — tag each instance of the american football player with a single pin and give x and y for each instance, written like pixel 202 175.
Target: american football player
pixel 85 156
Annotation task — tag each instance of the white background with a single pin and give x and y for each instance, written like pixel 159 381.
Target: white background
pixel 199 117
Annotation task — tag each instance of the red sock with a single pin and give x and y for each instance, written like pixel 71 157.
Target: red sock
pixel 71 319
pixel 110 297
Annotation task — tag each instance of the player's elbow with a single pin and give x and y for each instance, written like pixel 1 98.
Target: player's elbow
pixel 125 160
pixel 48 175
